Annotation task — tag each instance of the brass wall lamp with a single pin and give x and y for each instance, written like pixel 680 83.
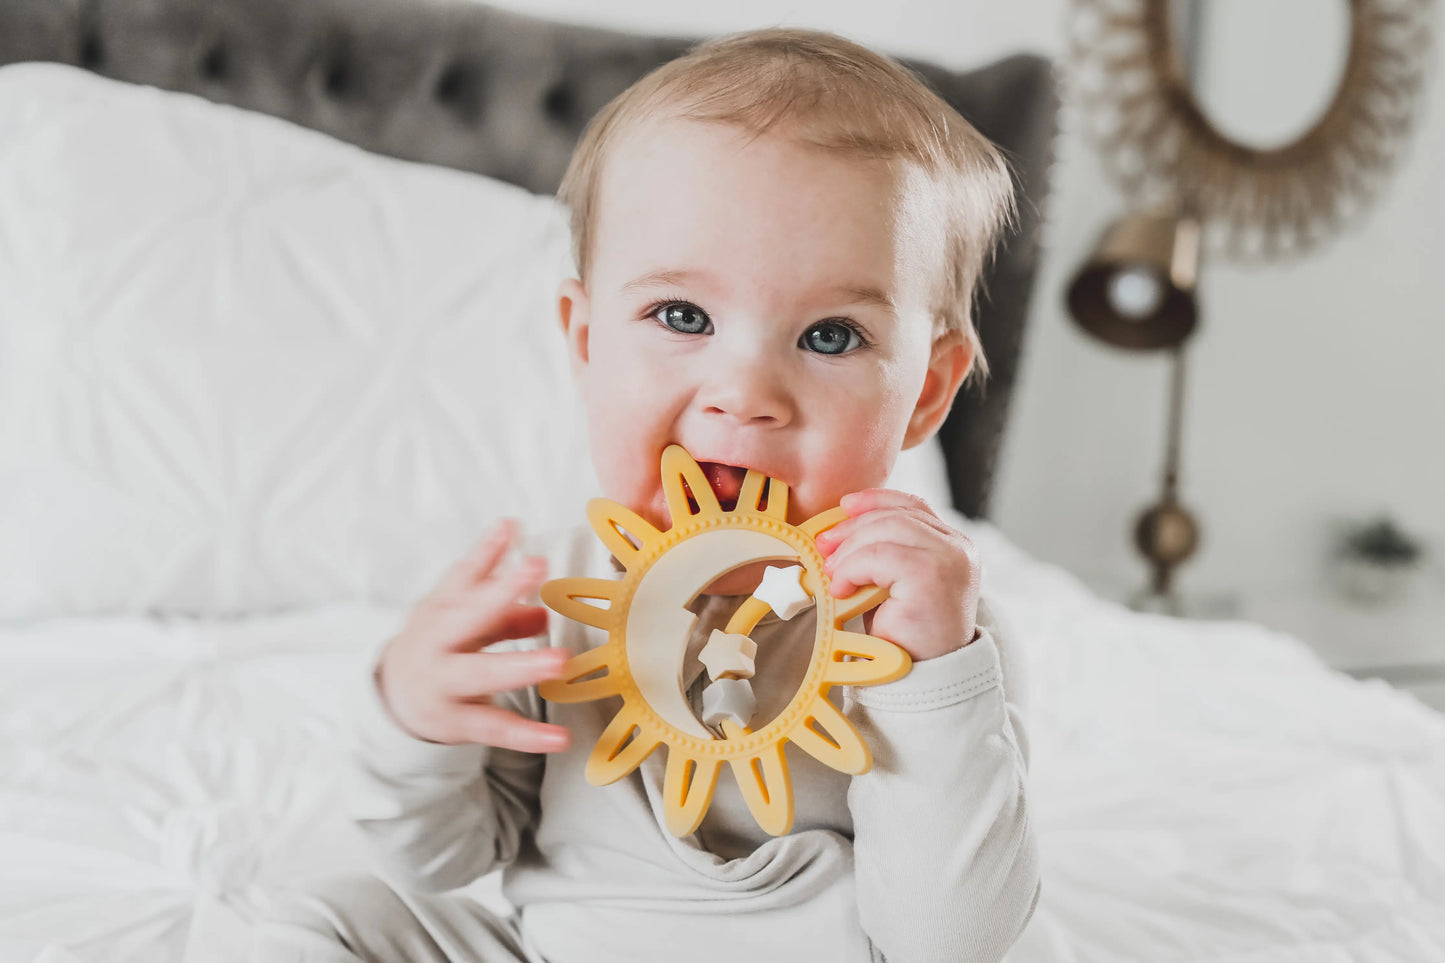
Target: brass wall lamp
pixel 1137 291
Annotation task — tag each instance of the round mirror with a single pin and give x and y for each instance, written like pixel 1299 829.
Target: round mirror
pixel 1265 73
pixel 1273 122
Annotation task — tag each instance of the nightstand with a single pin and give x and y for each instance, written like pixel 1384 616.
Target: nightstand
pixel 1403 644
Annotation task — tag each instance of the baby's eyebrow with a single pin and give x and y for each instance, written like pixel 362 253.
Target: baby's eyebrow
pixel 865 295
pixel 663 278
pixel 851 294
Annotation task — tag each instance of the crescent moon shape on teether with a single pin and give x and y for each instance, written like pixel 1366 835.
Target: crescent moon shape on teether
pixel 645 616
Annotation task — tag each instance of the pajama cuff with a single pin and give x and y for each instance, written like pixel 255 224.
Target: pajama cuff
pixel 944 681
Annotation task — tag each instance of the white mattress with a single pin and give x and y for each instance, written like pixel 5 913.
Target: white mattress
pixel 1201 791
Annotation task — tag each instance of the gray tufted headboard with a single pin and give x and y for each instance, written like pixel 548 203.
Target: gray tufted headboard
pixel 455 83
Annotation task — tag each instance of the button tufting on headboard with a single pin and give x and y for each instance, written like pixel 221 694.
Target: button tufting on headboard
pixel 459 89
pixel 461 84
pixel 560 102
pixel 334 68
pixel 214 64
pixel 91 51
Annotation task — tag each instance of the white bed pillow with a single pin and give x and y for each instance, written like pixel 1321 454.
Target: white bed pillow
pixel 245 367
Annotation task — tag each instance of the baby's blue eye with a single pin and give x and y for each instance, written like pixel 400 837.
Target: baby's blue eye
pixel 831 337
pixel 685 318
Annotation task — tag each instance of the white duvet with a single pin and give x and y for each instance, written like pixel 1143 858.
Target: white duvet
pixel 1202 791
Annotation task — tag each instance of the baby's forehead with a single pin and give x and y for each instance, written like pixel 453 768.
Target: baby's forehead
pixel 689 160
pixel 726 136
pixel 784 148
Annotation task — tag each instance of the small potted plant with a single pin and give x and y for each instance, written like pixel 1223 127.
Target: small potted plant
pixel 1377 563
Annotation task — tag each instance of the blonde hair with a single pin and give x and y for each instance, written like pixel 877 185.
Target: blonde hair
pixel 834 94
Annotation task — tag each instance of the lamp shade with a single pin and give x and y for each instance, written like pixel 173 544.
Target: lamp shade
pixel 1137 289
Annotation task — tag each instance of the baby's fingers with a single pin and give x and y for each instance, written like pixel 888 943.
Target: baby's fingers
pixel 480 560
pixel 870 499
pixel 522 622
pixel 491 612
pixel 491 726
pixel 481 674
pixel 874 563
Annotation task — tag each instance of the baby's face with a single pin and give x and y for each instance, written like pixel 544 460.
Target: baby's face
pixel 762 303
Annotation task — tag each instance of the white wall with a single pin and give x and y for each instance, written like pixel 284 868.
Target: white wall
pixel 1316 390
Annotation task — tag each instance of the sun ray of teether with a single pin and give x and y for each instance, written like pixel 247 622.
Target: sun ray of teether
pixel 574 686
pixel 681 475
pixel 765 784
pixel 687 791
pixel 609 520
pixel 563 596
pixel 619 750
pixel 874 660
pixel 750 496
pixel 777 500
pixel 828 736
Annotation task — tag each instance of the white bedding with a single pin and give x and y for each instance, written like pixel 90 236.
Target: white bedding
pixel 1201 791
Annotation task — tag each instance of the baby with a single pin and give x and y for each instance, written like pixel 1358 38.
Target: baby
pixel 778 238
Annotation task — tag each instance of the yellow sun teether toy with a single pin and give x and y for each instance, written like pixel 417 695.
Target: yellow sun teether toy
pixel 647 621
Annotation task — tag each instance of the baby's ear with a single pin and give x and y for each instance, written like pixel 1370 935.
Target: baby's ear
pixel 948 364
pixel 574 310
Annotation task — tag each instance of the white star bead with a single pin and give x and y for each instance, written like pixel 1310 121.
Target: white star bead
pixel 782 589
pixel 728 655
pixel 728 699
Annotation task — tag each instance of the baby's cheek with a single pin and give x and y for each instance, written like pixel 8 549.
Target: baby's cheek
pixel 862 462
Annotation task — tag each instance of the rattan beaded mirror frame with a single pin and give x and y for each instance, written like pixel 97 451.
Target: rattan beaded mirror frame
pixel 1127 75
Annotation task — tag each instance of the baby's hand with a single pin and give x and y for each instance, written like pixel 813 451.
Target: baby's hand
pixel 436 680
pixel 931 571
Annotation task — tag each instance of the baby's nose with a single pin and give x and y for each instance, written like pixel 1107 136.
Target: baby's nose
pixel 748 393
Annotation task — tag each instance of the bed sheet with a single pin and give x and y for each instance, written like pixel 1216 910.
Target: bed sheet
pixel 1201 791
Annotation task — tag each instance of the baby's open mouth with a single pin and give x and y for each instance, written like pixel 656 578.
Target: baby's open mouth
pixel 726 482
